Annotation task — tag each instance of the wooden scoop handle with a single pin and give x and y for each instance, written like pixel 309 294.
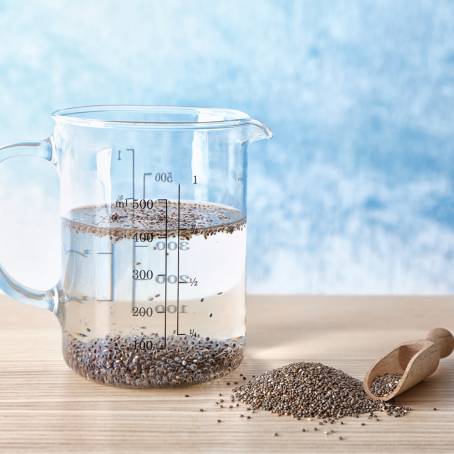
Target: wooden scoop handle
pixel 443 339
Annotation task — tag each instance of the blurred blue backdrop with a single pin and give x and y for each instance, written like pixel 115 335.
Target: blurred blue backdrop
pixel 354 194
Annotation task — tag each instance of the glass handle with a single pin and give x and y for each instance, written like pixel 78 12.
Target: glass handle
pixel 45 299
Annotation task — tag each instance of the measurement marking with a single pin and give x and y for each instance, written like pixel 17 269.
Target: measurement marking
pixel 75 298
pixel 112 261
pixel 165 283
pixel 144 192
pixel 147 174
pixel 133 176
pixel 112 271
pixel 178 260
pixel 73 251
pixel 133 151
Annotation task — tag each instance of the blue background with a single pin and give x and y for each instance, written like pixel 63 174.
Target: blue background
pixel 354 194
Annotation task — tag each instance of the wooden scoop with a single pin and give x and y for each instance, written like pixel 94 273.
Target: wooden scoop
pixel 415 360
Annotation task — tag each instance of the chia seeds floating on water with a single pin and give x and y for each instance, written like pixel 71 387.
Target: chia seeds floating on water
pixel 119 360
pixel 312 390
pixel 385 384
pixel 122 221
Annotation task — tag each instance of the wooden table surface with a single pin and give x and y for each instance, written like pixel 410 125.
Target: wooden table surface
pixel 46 408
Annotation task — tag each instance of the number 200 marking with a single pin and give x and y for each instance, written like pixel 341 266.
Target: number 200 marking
pixel 142 311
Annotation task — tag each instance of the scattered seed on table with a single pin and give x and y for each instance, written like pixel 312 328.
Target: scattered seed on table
pixel 219 420
pixel 187 395
pixel 341 437
pixel 435 409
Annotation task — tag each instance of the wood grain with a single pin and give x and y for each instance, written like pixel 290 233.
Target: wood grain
pixel 46 408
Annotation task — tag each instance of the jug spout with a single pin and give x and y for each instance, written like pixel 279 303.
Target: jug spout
pixel 258 131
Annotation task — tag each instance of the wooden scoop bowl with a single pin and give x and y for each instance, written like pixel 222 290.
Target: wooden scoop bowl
pixel 415 360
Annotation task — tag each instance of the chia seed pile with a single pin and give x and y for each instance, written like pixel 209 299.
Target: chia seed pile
pixel 385 384
pixel 184 359
pixel 124 221
pixel 312 390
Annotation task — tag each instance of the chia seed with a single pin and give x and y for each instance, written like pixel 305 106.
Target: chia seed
pixel 117 361
pixel 385 384
pixel 188 219
pixel 312 390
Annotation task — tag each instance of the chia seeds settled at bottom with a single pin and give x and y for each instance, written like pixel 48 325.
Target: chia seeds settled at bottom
pixel 178 360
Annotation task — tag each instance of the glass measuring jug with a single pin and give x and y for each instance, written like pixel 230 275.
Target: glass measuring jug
pixel 153 214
